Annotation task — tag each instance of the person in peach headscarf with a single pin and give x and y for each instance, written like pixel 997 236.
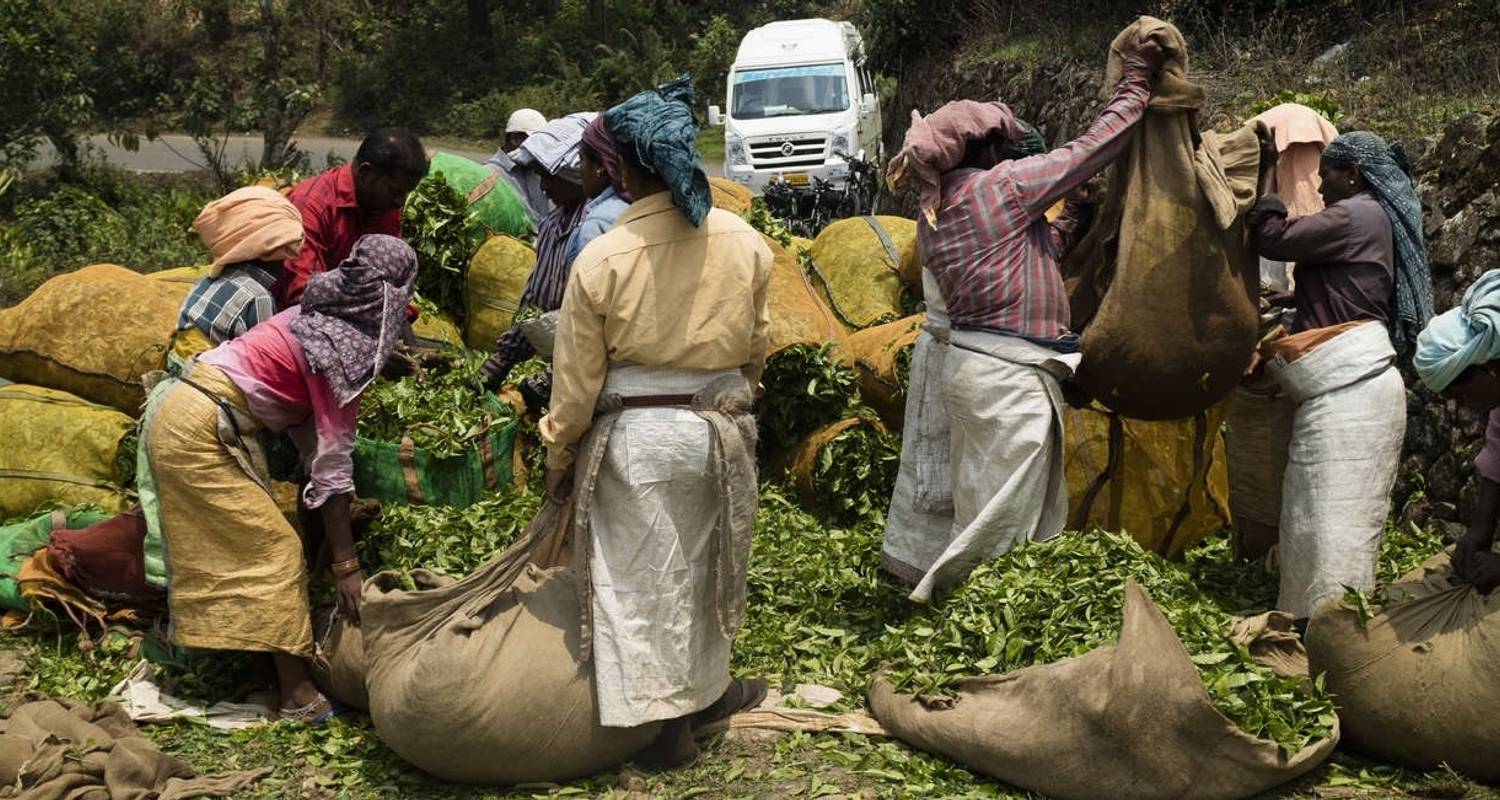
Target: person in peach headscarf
pixel 1300 134
pixel 249 232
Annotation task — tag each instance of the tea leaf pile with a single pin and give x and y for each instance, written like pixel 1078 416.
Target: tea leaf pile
pixel 806 388
pixel 453 541
pixel 442 412
pixel 855 472
pixel 437 224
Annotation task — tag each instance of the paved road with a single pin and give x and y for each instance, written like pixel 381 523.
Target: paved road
pixel 177 153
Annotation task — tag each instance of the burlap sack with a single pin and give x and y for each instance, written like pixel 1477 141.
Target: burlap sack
pixel 730 196
pixel 93 332
pixel 1163 287
pixel 1129 721
pixel 878 353
pixel 798 314
pixel 1168 490
pixel 435 329
pixel 480 681
pixel 1419 684
pixel 857 266
pixel 492 289
pixel 59 448
pixel 1257 442
pixel 181 279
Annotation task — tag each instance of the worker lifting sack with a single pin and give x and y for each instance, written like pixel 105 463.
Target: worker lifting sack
pixel 1163 286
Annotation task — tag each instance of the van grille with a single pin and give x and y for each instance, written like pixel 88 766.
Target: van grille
pixel 808 150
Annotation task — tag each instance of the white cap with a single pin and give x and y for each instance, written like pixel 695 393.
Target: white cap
pixel 525 120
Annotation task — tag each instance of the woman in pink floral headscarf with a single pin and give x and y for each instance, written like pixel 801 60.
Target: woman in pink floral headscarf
pixel 236 577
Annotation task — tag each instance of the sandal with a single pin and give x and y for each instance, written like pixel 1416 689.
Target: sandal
pixel 318 712
pixel 743 694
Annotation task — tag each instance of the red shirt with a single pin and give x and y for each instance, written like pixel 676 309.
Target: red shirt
pixel 331 222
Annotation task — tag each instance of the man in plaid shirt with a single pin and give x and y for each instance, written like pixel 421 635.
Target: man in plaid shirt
pixel 984 236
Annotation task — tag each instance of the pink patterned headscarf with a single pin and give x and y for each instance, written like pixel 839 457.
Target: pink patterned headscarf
pixel 936 143
pixel 352 315
pixel 597 137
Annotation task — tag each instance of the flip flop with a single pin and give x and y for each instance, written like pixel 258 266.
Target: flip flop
pixel 743 694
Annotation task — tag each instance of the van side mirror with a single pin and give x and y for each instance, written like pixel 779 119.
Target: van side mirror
pixel 868 104
pixel 715 116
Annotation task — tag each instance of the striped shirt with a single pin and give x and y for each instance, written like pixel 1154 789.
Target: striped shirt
pixel 545 286
pixel 227 306
pixel 993 252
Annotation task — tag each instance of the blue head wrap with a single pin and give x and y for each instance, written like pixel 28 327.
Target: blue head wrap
pixel 1461 337
pixel 657 126
pixel 1384 169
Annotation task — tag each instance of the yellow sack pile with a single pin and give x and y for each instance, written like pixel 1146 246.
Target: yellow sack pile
pixel 730 196
pixel 861 264
pixel 93 332
pixel 181 279
pixel 434 329
pixel 59 448
pixel 798 314
pixel 1155 470
pixel 497 274
pixel 882 358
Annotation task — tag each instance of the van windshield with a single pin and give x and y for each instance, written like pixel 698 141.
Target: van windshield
pixel 789 91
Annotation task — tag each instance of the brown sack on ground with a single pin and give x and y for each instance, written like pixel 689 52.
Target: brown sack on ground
pixel 1130 721
pixel 338 666
pixel 882 356
pixel 798 314
pixel 66 750
pixel 480 681
pixel 93 332
pixel 1163 287
pixel 1419 684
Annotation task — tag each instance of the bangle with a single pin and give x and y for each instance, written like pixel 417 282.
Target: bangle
pixel 344 569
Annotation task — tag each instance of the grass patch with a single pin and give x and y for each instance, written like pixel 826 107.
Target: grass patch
pixel 711 147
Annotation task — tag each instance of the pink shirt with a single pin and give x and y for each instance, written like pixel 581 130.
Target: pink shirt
pixel 267 365
pixel 1487 464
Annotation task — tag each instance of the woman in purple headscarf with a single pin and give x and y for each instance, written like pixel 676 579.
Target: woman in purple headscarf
pixel 236 576
pixel 600 170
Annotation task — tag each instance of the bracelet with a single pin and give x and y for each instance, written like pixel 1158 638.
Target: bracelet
pixel 344 569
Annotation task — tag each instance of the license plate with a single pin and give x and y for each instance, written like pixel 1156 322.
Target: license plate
pixel 795 178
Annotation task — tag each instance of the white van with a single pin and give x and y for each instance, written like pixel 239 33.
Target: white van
pixel 801 101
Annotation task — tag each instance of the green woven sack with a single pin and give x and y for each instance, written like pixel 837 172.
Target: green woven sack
pixel 20 540
pixel 492 201
pixel 401 472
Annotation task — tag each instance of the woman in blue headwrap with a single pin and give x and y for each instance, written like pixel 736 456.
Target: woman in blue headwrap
pixel 1362 294
pixel 1458 356
pixel 661 337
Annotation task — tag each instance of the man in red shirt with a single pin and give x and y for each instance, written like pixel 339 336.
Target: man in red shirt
pixel 347 202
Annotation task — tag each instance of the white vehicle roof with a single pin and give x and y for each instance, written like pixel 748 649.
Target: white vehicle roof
pixel 800 41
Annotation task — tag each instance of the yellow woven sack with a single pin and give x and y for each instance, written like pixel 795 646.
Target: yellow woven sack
pixel 797 245
pixel 93 332
pixel 497 274
pixel 1155 468
pixel 188 343
pixel 878 358
pixel 730 196
pixel 435 328
pixel 858 267
pixel 798 315
pixel 59 448
pixel 181 279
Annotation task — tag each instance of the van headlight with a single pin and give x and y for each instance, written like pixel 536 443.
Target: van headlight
pixel 839 144
pixel 735 152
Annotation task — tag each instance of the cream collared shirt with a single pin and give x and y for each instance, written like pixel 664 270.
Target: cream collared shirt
pixel 656 291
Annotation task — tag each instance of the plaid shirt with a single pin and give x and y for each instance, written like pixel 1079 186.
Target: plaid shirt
pixel 227 306
pixel 993 252
pixel 331 222
pixel 543 288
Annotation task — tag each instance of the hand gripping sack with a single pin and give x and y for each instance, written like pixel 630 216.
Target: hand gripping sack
pixel 1419 683
pixel 1128 721
pixel 857 268
pixel 480 681
pixel 1163 287
pixel 93 332
pixel 492 289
